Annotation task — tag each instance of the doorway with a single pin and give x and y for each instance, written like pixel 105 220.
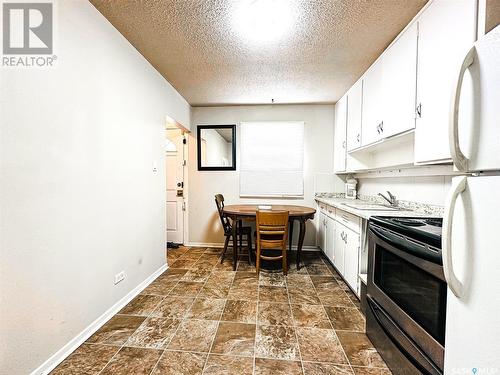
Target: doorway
pixel 176 153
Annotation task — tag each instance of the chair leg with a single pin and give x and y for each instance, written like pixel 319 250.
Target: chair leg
pixel 226 243
pixel 257 258
pixel 249 243
pixel 240 225
pixel 285 264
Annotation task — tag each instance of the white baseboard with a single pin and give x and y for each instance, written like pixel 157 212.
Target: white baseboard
pixel 221 245
pixel 70 347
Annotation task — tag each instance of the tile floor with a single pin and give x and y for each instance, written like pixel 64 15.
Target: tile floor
pixel 200 317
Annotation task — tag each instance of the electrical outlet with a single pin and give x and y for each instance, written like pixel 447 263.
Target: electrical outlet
pixel 119 277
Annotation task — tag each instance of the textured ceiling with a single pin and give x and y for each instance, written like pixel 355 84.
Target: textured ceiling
pixel 195 45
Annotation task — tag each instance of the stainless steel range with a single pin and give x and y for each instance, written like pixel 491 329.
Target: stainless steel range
pixel 406 294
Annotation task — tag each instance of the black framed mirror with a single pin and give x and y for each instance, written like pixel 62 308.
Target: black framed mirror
pixel 216 147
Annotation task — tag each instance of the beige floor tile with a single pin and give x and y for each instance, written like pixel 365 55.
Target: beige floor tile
pixel 274 314
pixel 135 361
pixel 180 363
pixel 194 335
pixel 226 365
pixel 117 330
pixel 234 339
pixel 240 311
pixel 320 345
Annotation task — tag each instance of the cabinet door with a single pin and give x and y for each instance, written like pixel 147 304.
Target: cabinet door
pixel 372 102
pixel 399 84
pixel 446 31
pixel 354 111
pixel 351 258
pixel 340 135
pixel 321 231
pixel 330 238
pixel 339 246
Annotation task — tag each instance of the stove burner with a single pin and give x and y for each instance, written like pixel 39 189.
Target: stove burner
pixel 408 222
pixel 434 222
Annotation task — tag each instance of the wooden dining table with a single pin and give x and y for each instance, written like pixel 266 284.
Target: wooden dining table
pixel 248 212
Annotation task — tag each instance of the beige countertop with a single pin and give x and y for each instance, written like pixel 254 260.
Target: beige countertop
pixel 340 203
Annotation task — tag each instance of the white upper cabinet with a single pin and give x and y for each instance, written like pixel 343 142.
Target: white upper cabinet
pixel 354 111
pixel 399 84
pixel 447 29
pixel 339 158
pixel 389 90
pixel 372 103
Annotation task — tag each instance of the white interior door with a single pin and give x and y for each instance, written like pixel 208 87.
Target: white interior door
pixel 175 186
pixel 472 323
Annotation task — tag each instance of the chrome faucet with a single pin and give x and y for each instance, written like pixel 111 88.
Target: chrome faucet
pixel 392 199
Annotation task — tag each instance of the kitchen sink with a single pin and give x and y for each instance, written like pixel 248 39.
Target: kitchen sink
pixel 371 207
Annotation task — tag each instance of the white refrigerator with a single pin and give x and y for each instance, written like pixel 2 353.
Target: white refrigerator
pixel 471 225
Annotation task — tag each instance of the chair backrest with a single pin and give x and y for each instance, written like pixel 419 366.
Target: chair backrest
pixel 272 228
pixel 226 224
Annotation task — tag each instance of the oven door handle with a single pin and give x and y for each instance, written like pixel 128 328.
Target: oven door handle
pixel 392 238
pixel 416 357
pixel 454 283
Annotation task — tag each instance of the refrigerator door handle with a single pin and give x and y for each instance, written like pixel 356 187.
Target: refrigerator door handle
pixel 454 284
pixel 459 159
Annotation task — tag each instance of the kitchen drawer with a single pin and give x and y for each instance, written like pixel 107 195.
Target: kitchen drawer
pixel 349 220
pixel 327 210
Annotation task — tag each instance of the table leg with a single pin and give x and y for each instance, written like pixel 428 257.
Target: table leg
pixel 302 234
pixel 235 244
pixel 290 239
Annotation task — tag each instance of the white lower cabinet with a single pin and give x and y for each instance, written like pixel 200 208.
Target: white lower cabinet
pixel 351 258
pixel 321 230
pixel 326 234
pixel 339 238
pixel 339 248
pixel 329 239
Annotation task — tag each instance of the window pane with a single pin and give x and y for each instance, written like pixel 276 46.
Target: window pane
pixel 272 156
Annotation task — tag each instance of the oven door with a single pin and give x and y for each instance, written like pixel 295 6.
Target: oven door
pixel 407 298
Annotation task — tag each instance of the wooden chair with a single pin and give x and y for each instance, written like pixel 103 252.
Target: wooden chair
pixel 228 229
pixel 272 232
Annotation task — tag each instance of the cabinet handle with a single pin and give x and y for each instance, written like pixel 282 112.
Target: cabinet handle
pixel 357 138
pixel 419 110
pixel 382 126
pixel 343 144
pixel 459 159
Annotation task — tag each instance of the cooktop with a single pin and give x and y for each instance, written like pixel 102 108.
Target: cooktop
pixel 423 229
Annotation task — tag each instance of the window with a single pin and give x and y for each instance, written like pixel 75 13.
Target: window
pixel 272 158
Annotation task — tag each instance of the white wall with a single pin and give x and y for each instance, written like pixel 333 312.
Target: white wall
pixel 204 225
pixel 79 201
pixel 429 190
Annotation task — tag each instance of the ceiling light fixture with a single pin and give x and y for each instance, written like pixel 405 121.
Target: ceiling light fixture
pixel 263 20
